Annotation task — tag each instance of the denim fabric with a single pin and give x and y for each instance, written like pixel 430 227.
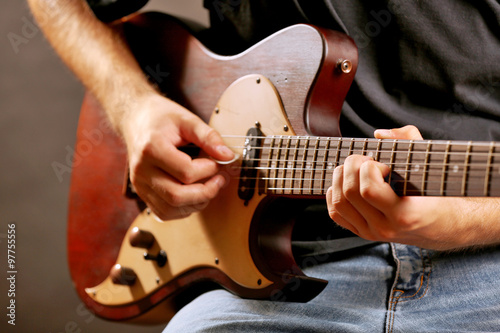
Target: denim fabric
pixel 382 288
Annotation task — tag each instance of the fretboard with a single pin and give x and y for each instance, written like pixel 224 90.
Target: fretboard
pixel 303 166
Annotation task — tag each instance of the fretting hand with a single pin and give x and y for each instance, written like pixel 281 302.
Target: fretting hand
pixel 361 201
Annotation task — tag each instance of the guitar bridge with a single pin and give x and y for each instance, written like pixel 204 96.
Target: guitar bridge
pixel 250 161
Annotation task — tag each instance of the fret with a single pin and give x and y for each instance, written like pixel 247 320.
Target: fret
pixel 339 151
pixel 286 168
pixel 262 175
pixel 453 170
pixel 323 172
pixel 445 167
pixel 393 156
pixel 489 169
pixel 351 147
pixel 365 144
pixel 466 167
pixel 279 181
pixel 294 166
pixel 313 165
pixel 268 183
pixel 415 167
pixel 377 154
pixel 407 167
pixel 302 169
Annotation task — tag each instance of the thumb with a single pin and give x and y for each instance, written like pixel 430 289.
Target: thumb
pixel 408 132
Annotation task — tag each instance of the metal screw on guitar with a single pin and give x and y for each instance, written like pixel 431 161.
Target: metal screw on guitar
pixel 344 65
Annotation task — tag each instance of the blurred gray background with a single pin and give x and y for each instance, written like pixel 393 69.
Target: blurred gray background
pixel 39 106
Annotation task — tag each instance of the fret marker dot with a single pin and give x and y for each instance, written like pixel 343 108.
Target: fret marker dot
pixel 370 154
pixel 330 166
pixel 416 168
pixel 455 169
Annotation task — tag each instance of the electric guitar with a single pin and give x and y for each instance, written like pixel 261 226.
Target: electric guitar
pixel 277 106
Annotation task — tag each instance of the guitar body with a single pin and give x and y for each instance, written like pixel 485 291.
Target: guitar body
pixel 288 84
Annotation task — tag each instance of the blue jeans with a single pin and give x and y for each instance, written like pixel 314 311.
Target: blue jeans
pixel 379 288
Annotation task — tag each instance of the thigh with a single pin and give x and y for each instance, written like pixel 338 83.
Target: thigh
pixel 355 300
pixel 462 294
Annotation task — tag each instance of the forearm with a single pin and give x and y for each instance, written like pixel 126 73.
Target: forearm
pixel 480 220
pixel 96 53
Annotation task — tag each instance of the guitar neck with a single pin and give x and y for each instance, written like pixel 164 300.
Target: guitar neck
pixel 303 166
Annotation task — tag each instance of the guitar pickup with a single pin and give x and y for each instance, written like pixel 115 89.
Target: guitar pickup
pixel 249 164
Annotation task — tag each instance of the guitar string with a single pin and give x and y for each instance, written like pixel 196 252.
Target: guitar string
pixel 343 140
pixel 418 177
pixel 429 187
pixel 424 168
pixel 348 139
pixel 411 176
pixel 374 151
pixel 316 180
pixel 450 165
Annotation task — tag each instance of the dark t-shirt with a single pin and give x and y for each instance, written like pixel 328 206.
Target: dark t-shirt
pixel 433 64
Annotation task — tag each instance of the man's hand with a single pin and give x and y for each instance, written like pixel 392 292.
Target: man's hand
pixel 169 181
pixel 361 201
pixel 172 183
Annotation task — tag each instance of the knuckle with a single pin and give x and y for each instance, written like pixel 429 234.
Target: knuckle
pixel 211 134
pixel 175 199
pixel 368 191
pixel 335 200
pixel 182 212
pixel 404 221
pixel 161 213
pixel 385 235
pixel 370 237
pixel 209 193
pixel 146 150
pixel 350 191
pixel 186 176
pixel 333 213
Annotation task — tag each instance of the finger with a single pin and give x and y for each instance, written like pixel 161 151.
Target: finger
pixel 177 194
pixel 339 208
pixel 184 168
pixel 164 211
pixel 178 164
pixel 208 139
pixel 408 132
pixel 353 188
pixel 374 190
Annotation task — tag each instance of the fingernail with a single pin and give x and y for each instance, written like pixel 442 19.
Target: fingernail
pixel 385 133
pixel 224 150
pixel 220 182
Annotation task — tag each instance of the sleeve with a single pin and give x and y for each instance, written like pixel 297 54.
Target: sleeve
pixel 110 10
